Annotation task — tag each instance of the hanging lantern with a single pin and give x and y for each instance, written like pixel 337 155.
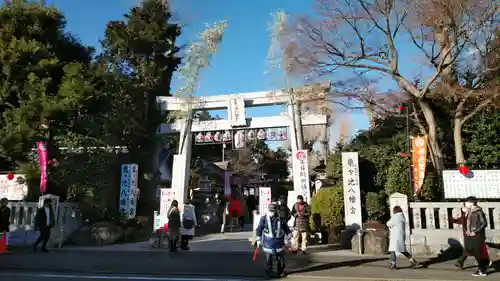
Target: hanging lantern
pixel 10 176
pixel 463 169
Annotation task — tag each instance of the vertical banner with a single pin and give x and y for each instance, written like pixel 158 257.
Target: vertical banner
pixel 418 161
pixel 41 147
pixel 264 199
pixel 167 195
pixel 124 205
pixel 352 191
pixel 301 175
pixel 134 190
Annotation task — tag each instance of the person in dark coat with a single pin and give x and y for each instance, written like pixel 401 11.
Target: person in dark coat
pixel 461 220
pixel 271 233
pixel 174 225
pixel 283 210
pixel 475 235
pixel 301 212
pixel 44 222
pixel 4 219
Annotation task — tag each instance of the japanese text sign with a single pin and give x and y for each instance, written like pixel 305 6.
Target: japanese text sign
pixel 352 192
pixel 301 174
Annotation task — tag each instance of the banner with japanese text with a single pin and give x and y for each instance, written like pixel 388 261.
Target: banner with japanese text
pixel 418 161
pixel 41 148
pixel 352 191
pixel 129 190
pixel 301 180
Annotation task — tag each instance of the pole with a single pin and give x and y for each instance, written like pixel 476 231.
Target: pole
pixel 410 174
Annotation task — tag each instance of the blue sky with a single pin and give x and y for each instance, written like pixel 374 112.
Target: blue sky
pixel 240 62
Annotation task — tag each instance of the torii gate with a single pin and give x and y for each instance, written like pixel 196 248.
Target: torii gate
pixel 237 121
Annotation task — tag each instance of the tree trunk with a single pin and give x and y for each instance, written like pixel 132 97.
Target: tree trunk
pixel 457 139
pixel 435 149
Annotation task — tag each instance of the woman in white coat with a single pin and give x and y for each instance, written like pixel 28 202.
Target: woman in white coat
pixel 397 237
pixel 189 224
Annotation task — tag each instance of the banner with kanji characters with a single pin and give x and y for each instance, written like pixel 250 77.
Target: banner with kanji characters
pixel 264 199
pixel 418 161
pixel 352 190
pixel 301 180
pixel 129 190
pixel 41 148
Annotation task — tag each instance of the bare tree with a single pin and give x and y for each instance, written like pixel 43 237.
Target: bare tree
pixel 367 36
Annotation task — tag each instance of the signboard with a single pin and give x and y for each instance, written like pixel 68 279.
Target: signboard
pixel 167 195
pixel 301 175
pixel 15 189
pixel 236 109
pixel 418 161
pixel 129 190
pixel 481 184
pixel 264 199
pixel 352 191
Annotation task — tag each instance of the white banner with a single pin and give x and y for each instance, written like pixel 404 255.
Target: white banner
pixel 352 192
pixel 264 199
pixel 301 181
pixel 15 189
pixel 483 184
pixel 167 195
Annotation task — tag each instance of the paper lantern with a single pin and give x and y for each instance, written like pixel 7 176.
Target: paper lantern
pixel 463 169
pixel 10 176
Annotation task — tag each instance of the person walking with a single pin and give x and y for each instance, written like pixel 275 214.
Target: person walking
pixel 271 232
pixel 44 222
pixel 243 212
pixel 4 220
pixel 301 212
pixel 475 236
pixel 397 238
pixel 189 224
pixel 462 221
pixel 174 225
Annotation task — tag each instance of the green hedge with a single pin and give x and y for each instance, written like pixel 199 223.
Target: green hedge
pixel 327 208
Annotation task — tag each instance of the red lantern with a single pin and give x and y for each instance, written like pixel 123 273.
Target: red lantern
pixel 10 176
pixel 463 169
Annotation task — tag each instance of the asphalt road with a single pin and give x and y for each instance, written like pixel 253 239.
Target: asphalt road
pixel 69 277
pixel 157 264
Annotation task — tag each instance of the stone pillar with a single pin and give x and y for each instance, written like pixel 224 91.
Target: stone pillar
pixel 182 161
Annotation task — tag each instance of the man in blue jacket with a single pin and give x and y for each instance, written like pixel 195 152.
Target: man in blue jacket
pixel 271 235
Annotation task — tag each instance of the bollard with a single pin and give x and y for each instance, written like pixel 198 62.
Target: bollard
pixel 359 232
pixel 61 235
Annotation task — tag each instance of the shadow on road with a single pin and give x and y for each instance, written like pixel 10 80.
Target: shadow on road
pixel 308 265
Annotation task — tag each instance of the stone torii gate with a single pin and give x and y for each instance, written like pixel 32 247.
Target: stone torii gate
pixel 236 104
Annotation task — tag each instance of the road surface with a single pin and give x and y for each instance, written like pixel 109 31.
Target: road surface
pixel 211 266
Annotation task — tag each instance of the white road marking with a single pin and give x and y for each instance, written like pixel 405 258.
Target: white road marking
pixel 116 277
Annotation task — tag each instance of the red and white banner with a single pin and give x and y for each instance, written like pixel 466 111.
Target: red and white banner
pixel 41 147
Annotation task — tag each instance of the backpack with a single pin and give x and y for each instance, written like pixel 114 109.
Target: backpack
pixel 188 223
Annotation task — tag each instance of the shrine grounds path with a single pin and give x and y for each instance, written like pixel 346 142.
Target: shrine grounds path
pixel 79 265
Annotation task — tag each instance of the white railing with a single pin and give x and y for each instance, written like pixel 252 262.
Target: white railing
pixel 22 219
pixel 431 226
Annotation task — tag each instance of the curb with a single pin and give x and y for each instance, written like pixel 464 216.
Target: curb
pixel 312 277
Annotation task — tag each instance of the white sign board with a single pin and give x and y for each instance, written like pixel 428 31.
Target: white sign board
pixel 301 175
pixel 15 189
pixel 479 183
pixel 129 190
pixel 264 199
pixel 352 191
pixel 167 195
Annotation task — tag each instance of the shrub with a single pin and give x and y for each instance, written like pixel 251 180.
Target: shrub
pixel 375 206
pixel 326 208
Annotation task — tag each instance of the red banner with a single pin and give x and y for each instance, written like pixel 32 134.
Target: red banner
pixel 42 153
pixel 418 161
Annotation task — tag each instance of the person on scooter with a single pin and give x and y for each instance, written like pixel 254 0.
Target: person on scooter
pixel 273 229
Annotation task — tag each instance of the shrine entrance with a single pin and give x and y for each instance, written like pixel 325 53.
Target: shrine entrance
pixel 238 129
